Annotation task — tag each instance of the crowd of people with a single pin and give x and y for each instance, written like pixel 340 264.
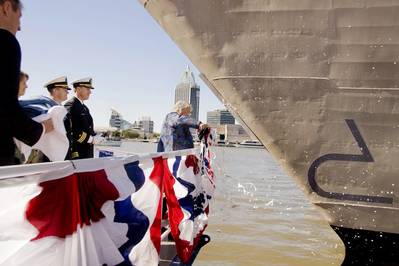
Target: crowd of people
pixel 15 123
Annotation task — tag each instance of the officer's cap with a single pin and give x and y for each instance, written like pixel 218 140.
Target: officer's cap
pixel 86 82
pixel 58 82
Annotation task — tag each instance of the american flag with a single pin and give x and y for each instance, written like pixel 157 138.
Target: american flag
pixel 102 211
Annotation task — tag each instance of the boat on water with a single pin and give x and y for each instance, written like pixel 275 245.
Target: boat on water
pixel 317 82
pixel 250 144
pixel 223 143
pixel 111 142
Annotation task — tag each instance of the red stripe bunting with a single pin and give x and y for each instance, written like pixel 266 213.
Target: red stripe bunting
pixel 156 177
pixel 175 214
pixel 69 202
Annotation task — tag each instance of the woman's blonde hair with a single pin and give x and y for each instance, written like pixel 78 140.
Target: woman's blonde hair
pixel 180 105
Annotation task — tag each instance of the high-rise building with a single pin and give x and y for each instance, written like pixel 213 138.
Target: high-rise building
pixel 146 124
pixel 187 90
pixel 219 117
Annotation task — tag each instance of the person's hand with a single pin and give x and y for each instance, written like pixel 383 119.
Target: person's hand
pixel 97 139
pixel 48 125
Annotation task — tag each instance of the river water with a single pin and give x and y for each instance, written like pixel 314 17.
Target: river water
pixel 259 216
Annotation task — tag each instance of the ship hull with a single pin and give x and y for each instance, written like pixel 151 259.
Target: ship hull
pixel 368 248
pixel 317 82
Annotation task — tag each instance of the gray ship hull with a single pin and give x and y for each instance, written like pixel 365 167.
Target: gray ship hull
pixel 317 81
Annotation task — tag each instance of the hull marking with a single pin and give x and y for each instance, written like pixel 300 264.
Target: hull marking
pixel 365 156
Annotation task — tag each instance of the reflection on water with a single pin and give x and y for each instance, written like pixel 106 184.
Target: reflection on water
pixel 259 216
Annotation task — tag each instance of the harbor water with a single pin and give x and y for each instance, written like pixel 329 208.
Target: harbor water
pixel 259 216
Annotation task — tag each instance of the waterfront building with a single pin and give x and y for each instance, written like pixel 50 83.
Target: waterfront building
pixel 226 129
pixel 231 133
pixel 187 90
pixel 219 117
pixel 116 120
pixel 146 124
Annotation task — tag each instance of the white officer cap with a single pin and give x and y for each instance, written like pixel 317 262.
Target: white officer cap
pixel 86 82
pixel 58 82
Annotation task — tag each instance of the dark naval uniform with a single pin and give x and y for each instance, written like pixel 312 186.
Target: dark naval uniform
pixel 82 133
pixel 82 129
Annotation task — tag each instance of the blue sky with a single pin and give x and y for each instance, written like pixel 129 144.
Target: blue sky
pixel 135 66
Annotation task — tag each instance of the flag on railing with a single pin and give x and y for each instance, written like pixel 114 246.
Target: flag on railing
pixel 185 201
pixel 105 153
pixel 104 211
pixel 141 212
pixel 188 189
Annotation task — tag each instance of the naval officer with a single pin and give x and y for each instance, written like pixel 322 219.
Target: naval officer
pixel 83 135
pixel 58 89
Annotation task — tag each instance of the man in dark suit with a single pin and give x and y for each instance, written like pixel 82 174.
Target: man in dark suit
pixel 83 135
pixel 14 123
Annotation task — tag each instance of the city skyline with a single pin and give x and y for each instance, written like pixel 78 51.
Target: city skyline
pixel 219 117
pixel 135 66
